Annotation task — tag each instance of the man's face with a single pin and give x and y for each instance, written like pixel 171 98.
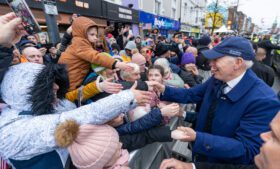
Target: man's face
pixel 178 38
pixel 137 40
pixel 260 54
pixel 134 76
pixel 128 52
pixel 33 55
pixel 224 68
pixel 269 157
pixel 32 39
pixel 92 35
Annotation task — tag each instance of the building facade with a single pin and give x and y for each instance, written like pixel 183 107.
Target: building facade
pixel 193 16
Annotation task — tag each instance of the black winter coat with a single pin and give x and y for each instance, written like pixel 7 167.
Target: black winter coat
pixel 202 62
pixel 135 141
pixel 264 72
pixel 268 46
pixel 148 121
pixel 6 58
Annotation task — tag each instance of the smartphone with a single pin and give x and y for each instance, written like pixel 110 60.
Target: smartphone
pixel 22 10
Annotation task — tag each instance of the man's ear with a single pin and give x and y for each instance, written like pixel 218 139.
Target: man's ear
pixel 239 62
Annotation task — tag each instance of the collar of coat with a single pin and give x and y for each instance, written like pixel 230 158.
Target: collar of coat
pixel 245 84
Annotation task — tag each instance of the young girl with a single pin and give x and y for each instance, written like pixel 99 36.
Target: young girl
pixel 156 73
pixel 170 78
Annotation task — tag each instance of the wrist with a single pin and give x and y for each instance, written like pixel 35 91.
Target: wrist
pixel 99 85
pixel 114 66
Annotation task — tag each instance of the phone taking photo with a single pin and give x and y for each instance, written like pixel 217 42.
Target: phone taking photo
pixel 21 9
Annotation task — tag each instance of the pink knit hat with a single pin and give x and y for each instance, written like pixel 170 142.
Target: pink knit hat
pixel 91 146
pixel 138 59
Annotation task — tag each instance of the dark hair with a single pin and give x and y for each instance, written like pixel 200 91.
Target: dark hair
pixel 115 46
pixel 177 33
pixel 41 93
pixel 255 46
pixel 158 67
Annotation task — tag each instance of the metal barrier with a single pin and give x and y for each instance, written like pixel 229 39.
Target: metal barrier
pixel 151 156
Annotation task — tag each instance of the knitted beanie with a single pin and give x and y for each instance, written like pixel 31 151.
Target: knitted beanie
pixel 130 45
pixel 90 146
pixel 187 58
pixel 138 59
pixel 161 49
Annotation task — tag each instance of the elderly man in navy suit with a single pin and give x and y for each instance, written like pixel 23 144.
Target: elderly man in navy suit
pixel 236 106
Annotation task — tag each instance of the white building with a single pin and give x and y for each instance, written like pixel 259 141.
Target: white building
pixel 193 16
pixel 165 8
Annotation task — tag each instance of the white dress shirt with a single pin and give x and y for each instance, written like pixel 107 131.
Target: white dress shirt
pixel 232 83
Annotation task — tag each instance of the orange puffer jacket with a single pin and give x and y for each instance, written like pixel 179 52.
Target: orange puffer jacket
pixel 80 54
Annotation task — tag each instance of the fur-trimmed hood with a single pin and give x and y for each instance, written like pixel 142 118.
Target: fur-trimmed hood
pixel 29 87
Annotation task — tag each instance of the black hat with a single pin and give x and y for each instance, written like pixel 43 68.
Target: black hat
pixel 161 49
pixel 204 40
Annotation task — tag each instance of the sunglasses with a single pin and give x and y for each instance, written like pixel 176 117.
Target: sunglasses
pixel 148 51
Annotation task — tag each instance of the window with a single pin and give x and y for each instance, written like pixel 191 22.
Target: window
pixel 173 14
pixel 196 16
pixel 185 9
pixel 81 4
pixel 173 4
pixel 157 7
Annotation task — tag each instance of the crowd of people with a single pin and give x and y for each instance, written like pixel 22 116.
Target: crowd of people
pixel 91 99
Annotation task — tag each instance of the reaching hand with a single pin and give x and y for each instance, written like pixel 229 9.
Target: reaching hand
pixel 170 110
pixel 142 97
pixel 110 87
pixel 184 134
pixel 116 121
pixel 123 66
pixel 174 164
pixel 156 86
pixel 69 30
pixel 11 29
pixel 43 51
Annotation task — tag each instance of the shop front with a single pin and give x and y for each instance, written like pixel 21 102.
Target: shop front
pixel 121 16
pixel 195 32
pixel 186 29
pixel 88 8
pixel 166 26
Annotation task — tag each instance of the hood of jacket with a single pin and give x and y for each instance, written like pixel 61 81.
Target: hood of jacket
pixel 81 25
pixel 29 87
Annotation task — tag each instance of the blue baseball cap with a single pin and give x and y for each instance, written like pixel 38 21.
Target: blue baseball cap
pixel 233 46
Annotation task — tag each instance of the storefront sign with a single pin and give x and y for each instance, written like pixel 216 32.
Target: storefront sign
pixel 50 7
pixel 185 28
pixel 195 30
pixel 120 13
pixel 158 21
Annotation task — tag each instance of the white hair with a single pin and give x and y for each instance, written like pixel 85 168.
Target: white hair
pixel 163 62
pixel 125 74
pixel 248 64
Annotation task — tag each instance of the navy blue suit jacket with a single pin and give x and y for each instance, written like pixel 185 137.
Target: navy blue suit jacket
pixel 241 116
